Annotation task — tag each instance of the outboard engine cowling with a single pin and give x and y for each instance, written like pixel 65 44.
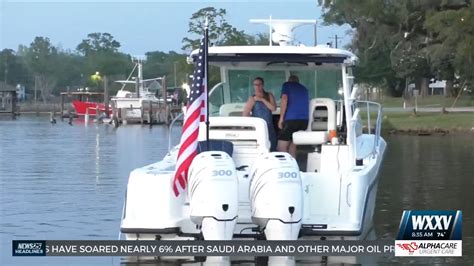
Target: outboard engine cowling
pixel 276 196
pixel 213 194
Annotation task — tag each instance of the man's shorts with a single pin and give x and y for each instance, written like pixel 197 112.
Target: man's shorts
pixel 291 126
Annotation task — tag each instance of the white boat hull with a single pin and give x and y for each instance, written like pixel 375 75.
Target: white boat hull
pixel 139 110
pixel 335 204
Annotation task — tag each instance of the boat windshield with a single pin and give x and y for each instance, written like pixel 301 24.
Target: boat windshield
pixel 321 83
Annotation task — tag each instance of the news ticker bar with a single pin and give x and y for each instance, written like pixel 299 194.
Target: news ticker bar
pixel 202 248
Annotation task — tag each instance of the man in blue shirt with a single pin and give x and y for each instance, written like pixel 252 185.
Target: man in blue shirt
pixel 294 113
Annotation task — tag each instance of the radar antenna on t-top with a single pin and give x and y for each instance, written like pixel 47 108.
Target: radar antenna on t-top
pixel 281 30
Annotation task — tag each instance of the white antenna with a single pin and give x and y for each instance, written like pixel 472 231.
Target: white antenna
pixel 283 28
pixel 271 31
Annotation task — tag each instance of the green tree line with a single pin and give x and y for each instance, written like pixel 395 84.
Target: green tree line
pixel 52 69
pixel 405 41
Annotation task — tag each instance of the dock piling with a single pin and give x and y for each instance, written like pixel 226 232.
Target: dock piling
pixel 150 113
pixel 62 107
pixel 70 118
pixel 86 117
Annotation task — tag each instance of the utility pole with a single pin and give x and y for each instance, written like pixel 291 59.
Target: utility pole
pixel 36 78
pixel 36 105
pixel 6 70
pixel 316 34
pixel 335 39
pixel 175 73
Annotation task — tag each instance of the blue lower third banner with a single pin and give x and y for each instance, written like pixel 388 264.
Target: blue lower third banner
pixel 204 248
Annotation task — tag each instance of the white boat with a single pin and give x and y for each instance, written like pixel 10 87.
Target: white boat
pixel 129 106
pixel 245 191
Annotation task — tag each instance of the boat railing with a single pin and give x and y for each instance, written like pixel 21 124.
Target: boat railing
pixel 171 130
pixel 180 115
pixel 215 87
pixel 364 112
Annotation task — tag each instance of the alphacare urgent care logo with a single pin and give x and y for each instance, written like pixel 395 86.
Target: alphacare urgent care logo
pixel 430 233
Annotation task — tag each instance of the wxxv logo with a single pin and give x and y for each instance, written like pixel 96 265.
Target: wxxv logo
pixel 28 248
pixel 430 233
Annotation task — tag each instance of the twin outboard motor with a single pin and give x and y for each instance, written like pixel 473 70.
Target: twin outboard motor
pixel 276 196
pixel 213 194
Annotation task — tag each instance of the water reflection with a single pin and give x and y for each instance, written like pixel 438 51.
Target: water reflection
pixel 97 157
pixel 68 182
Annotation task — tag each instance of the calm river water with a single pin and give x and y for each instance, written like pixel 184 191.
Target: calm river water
pixel 68 182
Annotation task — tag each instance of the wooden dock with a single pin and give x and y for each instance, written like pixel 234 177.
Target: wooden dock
pixel 150 112
pixel 8 100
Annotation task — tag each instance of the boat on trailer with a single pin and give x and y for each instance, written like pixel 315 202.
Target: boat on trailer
pixel 239 189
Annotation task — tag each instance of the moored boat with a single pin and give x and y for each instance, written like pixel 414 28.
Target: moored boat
pixel 239 188
pixel 82 108
pixel 132 106
pixel 87 102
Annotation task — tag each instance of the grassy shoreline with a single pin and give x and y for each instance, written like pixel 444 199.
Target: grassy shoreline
pixel 430 101
pixel 428 123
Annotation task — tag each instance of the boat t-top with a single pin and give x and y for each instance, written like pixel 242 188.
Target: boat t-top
pixel 245 191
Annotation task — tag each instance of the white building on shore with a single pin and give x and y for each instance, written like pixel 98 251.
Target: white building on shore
pixel 20 92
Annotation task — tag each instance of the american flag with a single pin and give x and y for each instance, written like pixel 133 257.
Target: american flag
pixel 195 113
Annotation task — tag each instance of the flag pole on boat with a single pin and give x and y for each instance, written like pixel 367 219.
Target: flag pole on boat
pixel 206 65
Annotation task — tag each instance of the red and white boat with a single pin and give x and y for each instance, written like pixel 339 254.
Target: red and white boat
pixel 132 102
pixel 85 102
pixel 83 108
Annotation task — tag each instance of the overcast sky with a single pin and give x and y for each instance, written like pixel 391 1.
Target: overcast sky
pixel 144 25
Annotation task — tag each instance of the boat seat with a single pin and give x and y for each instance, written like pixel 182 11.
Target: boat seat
pixel 231 109
pixel 216 145
pixel 322 119
pixel 249 136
